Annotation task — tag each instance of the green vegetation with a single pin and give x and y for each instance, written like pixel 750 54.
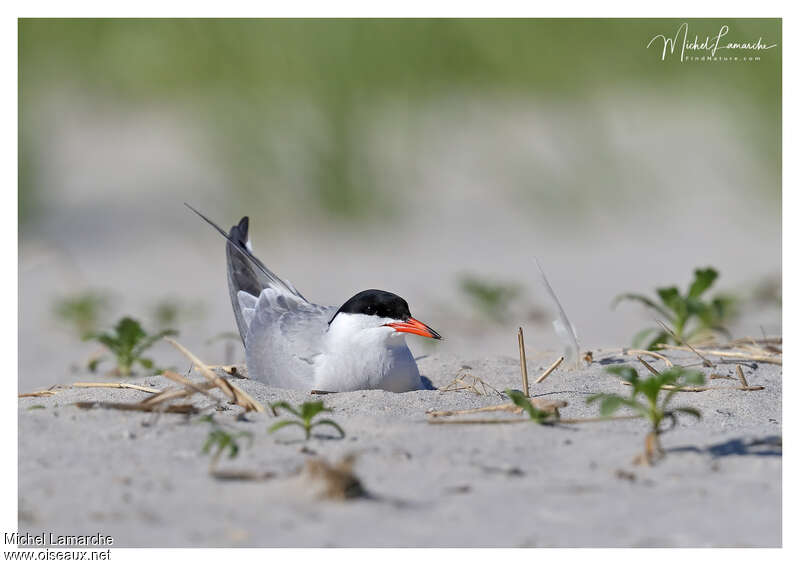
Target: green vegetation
pixel 646 401
pixel 314 82
pixel 83 311
pixel 689 315
pixel 520 400
pixel 492 300
pixel 219 440
pixel 305 414
pixel 127 343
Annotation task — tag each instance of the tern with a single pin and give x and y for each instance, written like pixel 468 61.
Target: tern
pixel 293 343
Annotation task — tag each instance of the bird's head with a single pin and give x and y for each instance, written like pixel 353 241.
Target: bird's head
pixel 381 311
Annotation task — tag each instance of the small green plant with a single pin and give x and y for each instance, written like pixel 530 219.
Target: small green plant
pixel 127 343
pixel 492 300
pixel 689 315
pixel 82 311
pixel 537 415
pixel 305 414
pixel 646 400
pixel 219 440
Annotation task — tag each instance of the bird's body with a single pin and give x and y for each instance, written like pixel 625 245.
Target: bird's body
pixel 293 343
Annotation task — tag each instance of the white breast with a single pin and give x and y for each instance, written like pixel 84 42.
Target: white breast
pixel 360 353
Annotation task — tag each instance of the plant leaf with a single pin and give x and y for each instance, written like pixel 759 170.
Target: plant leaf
pixel 639 338
pixel 330 423
pixel 280 424
pixel 610 404
pixel 640 299
pixel 286 406
pixel 311 409
pixel 671 297
pixel 627 373
pixel 129 332
pixel 661 338
pixel 520 400
pixel 703 279
pixel 148 341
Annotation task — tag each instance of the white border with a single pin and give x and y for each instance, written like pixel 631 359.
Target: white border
pixel 147 8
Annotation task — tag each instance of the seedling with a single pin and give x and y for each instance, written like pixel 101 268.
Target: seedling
pixel 83 311
pixel 305 414
pixel 646 400
pixel 689 315
pixel 219 440
pixel 127 343
pixel 537 415
pixel 492 300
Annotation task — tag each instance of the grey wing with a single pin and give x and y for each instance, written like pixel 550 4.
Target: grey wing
pixel 245 271
pixel 284 337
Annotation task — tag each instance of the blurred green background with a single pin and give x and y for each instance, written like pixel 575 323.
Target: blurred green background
pixel 432 158
pixel 251 84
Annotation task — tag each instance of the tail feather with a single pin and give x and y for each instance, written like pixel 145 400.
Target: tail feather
pixel 246 273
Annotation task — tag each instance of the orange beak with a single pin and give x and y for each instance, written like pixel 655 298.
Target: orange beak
pixel 413 326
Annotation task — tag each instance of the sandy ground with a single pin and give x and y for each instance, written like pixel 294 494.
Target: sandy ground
pixel 144 480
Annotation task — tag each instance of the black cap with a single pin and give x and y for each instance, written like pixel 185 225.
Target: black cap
pixel 374 302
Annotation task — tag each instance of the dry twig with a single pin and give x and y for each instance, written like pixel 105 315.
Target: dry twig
pixel 661 357
pixel 550 370
pixel 523 362
pixel 700 388
pixel 728 354
pixel 231 391
pixel 706 362
pixel 116 386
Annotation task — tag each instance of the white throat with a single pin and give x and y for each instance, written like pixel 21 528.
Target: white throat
pixel 361 353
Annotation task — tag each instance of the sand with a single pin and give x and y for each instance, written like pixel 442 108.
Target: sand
pixel 143 479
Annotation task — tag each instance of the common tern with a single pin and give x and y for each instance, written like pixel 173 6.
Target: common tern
pixel 293 343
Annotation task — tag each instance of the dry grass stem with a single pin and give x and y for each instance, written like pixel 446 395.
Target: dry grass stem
pixel 523 362
pixel 728 354
pixel 182 409
pixel 231 391
pixel 44 393
pixel 229 369
pixel 478 421
pixel 188 390
pixel 599 419
pixel 719 376
pixel 462 383
pixel 661 357
pixel 514 421
pixel 116 386
pixel 706 361
pixel 650 368
pixel 549 406
pixel 740 373
pixel 241 475
pixel 700 388
pixel 550 370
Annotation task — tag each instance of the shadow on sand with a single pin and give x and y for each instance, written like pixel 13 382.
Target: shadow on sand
pixel 764 446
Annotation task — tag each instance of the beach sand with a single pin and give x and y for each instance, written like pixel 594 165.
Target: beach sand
pixel 143 479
